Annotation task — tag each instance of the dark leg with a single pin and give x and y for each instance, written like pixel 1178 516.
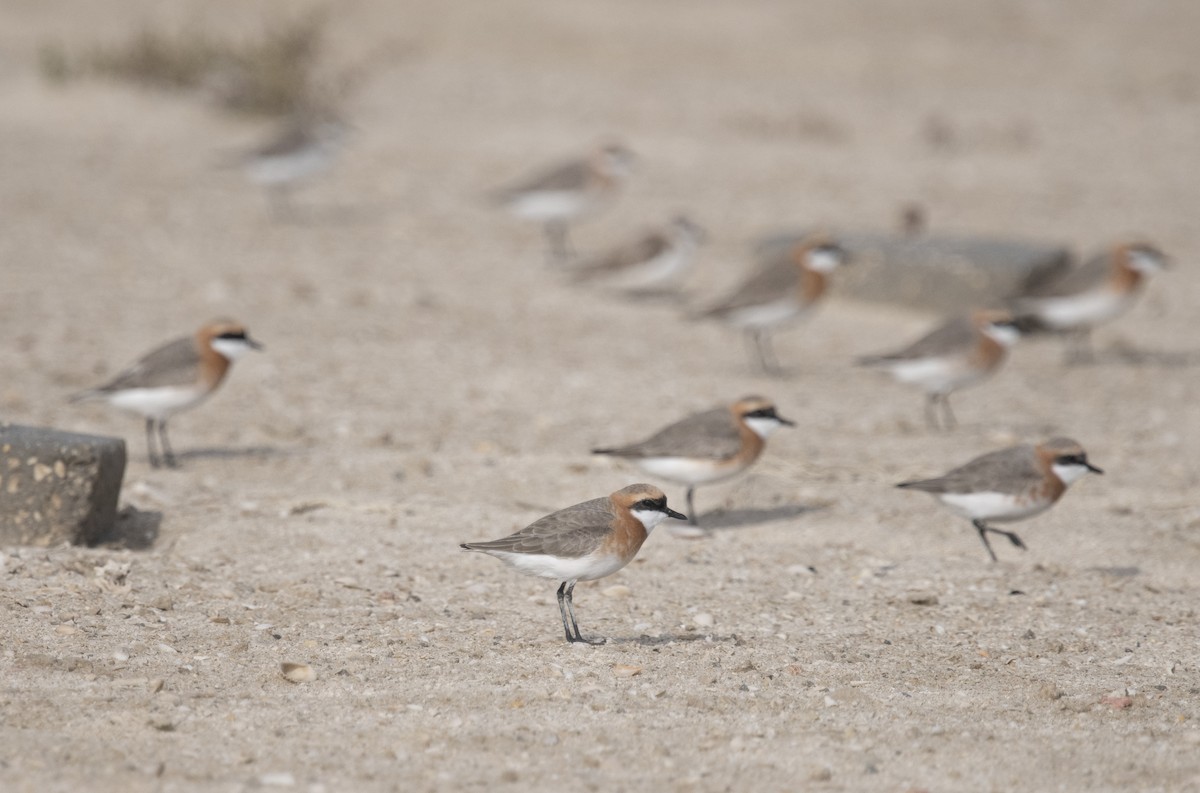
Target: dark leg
pixel 1079 349
pixel 949 422
pixel 168 455
pixel 560 244
pixel 691 507
pixel 282 209
pixel 154 463
pixel 562 610
pixel 1012 537
pixel 761 338
pixel 931 417
pixel 982 528
pixel 571 611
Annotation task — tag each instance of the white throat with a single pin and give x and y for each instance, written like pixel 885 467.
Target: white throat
pixel 823 261
pixel 1004 335
pixel 1145 263
pixel 762 427
pixel 231 349
pixel 1069 473
pixel 649 518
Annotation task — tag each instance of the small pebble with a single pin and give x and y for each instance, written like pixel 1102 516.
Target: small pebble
pixel 298 673
pixel 277 779
pixel 617 591
pixel 703 620
pixel 626 670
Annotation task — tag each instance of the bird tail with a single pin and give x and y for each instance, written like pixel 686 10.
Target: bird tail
pixel 90 395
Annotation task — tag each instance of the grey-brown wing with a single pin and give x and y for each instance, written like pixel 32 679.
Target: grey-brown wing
pixel 567 176
pixel 946 339
pixel 174 363
pixel 709 434
pixel 777 279
pixel 572 532
pixel 1007 470
pixel 1079 279
pixel 290 139
pixel 641 250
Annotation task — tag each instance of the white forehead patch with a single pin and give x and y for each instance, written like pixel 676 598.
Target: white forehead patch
pixel 1070 472
pixel 230 348
pixel 649 517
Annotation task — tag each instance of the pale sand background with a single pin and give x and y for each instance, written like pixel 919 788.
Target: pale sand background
pixel 427 381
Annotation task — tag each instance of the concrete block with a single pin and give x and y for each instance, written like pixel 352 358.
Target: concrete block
pixel 57 487
pixel 933 272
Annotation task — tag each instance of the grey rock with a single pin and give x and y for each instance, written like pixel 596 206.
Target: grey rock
pixel 57 487
pixel 934 272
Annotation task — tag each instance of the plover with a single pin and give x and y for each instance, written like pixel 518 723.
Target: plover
pixel 962 351
pixel 1097 292
pixel 1010 484
pixel 652 262
pixel 706 447
pixel 175 377
pixel 566 191
pixel 785 289
pixel 305 146
pixel 583 542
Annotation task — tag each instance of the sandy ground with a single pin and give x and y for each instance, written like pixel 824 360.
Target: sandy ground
pixel 428 381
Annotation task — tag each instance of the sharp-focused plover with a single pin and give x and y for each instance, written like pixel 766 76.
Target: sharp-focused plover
pixel 1010 484
pixel 583 542
pixel 175 377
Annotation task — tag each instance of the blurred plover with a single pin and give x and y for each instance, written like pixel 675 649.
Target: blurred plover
pixel 563 192
pixel 1084 297
pixel 787 288
pixel 301 149
pixel 962 351
pixel 706 447
pixel 652 262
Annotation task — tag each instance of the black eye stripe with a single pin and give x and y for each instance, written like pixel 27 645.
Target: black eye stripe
pixel 238 335
pixel 651 504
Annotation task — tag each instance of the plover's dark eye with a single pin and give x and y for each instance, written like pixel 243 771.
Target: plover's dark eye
pixel 233 335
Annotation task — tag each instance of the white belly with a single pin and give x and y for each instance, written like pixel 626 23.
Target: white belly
pixel 585 568
pixel 992 506
pixel 157 403
pixel 935 375
pixel 287 168
pixel 687 471
pixel 765 315
pixel 1084 310
pixel 543 205
pixel 652 273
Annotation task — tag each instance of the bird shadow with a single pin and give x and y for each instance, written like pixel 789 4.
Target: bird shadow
pixel 233 453
pixel 133 530
pixel 751 516
pixel 1128 355
pixel 661 641
pixel 329 215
